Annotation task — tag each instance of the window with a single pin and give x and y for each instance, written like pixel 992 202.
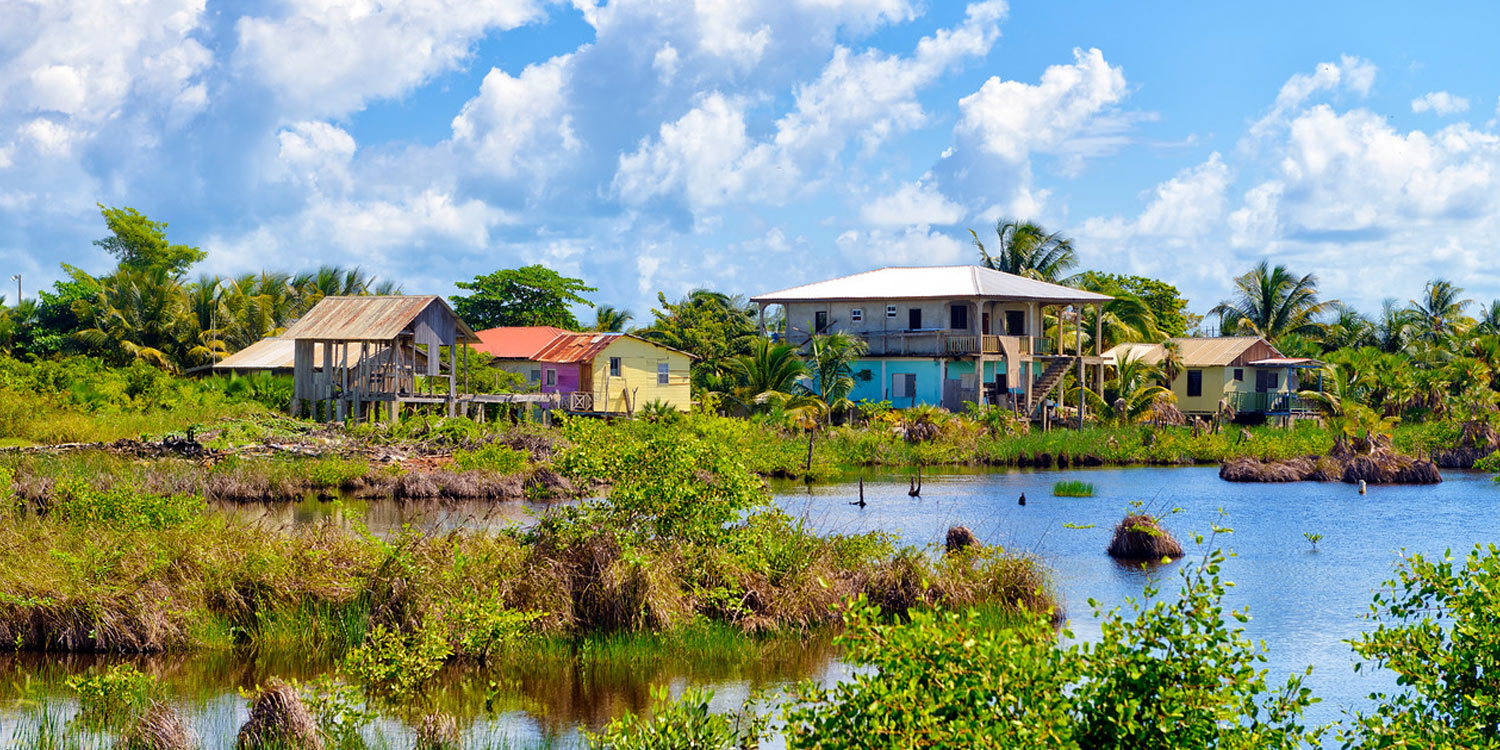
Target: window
pixel 534 376
pixel 1273 381
pixel 914 319
pixel 820 321
pixel 890 311
pixel 614 367
pixel 663 373
pixel 1015 323
pixel 552 377
pixel 1195 383
pixel 1239 374
pixel 904 385
pixel 958 317
pixel 856 315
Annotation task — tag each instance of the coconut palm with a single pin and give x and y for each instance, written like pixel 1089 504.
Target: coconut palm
pixel 1026 249
pixel 139 315
pixel 1489 319
pixel 1272 302
pixel 1125 317
pixel 1171 362
pixel 1439 311
pixel 609 319
pixel 1395 327
pixel 770 374
pixel 1348 330
pixel 831 362
pixel 1135 391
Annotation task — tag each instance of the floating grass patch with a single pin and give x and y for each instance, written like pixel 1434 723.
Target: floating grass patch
pixel 1073 488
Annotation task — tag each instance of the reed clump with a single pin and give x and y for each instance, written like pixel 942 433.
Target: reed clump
pixel 159 728
pixel 1142 538
pixel 1073 488
pixel 279 721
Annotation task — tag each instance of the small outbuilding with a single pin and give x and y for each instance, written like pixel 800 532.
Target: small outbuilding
pixel 352 353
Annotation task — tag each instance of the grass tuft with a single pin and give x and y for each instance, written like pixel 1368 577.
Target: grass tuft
pixel 1073 488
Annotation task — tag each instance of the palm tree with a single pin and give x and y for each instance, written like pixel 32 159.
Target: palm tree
pixel 1489 319
pixel 1136 391
pixel 1125 317
pixel 1271 302
pixel 1440 310
pixel 1348 330
pixel 1171 362
pixel 770 374
pixel 608 319
pixel 1026 249
pixel 140 315
pixel 831 362
pixel 1394 329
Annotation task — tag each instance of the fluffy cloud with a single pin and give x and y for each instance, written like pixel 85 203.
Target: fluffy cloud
pixel 914 246
pixel 1440 102
pixel 519 124
pixel 710 158
pixel 916 203
pixel 1349 73
pixel 1011 119
pixel 329 57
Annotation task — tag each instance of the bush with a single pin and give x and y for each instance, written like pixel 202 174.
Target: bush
pixel 494 457
pixel 1173 675
pixel 396 666
pixel 683 724
pixel 1437 630
pixel 123 506
pixel 114 694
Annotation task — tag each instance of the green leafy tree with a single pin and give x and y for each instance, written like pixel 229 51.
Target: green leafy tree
pixel 713 327
pixel 526 296
pixel 1169 309
pixel 1272 302
pixel 141 244
pixel 1026 249
pixel 1439 312
pixel 1436 629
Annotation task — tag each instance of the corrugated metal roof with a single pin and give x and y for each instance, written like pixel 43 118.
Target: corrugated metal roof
pixel 576 347
pixel 516 342
pixel 923 282
pixel 278 353
pixel 1300 363
pixel 370 318
pixel 1195 352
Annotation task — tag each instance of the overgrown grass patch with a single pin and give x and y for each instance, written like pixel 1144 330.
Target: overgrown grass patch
pixel 1073 488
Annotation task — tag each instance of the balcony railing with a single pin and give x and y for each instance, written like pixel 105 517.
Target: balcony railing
pixel 1271 403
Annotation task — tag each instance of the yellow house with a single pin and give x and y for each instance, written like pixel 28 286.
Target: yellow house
pixel 1246 372
pixel 596 373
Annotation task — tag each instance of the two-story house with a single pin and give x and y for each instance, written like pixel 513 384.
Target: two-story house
pixel 944 334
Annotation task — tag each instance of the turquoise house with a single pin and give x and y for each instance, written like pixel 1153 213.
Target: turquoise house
pixel 942 335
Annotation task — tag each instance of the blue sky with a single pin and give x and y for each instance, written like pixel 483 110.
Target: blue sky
pixel 747 146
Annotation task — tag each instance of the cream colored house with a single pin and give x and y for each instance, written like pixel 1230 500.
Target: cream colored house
pixel 1247 372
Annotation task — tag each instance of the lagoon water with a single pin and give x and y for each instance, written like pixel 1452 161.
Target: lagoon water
pixel 1304 603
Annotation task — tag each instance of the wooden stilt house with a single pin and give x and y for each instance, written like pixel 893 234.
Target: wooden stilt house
pixel 352 354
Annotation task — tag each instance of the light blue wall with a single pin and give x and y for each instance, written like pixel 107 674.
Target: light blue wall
pixel 929 374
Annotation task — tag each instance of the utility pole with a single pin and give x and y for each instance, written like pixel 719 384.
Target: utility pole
pixel 17 279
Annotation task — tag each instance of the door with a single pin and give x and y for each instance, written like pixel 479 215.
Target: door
pixel 1015 323
pixel 820 321
pixel 984 324
pixel 914 319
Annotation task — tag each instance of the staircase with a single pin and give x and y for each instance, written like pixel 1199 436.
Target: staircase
pixel 1051 376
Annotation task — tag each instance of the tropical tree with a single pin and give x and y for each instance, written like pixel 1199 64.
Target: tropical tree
pixel 1438 313
pixel 1171 362
pixel 831 363
pixel 715 328
pixel 1272 302
pixel 141 244
pixel 1348 330
pixel 770 374
pixel 139 316
pixel 1024 248
pixel 1126 317
pixel 1489 319
pixel 1135 390
pixel 609 319
pixel 527 296
pixel 1395 327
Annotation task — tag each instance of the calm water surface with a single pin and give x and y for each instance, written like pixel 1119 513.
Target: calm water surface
pixel 1304 604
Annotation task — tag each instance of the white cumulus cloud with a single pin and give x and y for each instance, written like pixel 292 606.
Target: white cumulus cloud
pixel 1440 102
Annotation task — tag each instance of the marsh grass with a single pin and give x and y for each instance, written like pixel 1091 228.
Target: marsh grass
pixel 1073 488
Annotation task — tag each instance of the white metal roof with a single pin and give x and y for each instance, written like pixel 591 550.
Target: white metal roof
pixel 924 282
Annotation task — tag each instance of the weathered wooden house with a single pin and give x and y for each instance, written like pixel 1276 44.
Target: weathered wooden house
pixel 352 354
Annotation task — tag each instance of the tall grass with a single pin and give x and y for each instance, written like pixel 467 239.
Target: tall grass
pixel 1073 488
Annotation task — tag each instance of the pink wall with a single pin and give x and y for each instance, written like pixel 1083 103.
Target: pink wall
pixel 567 377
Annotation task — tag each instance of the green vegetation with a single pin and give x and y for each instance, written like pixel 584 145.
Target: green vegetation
pixel 526 296
pixel 1073 488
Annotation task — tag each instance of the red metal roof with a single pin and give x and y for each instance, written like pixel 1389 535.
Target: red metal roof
pixel 517 342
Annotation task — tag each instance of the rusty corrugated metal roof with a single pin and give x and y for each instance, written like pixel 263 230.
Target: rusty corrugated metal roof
pixel 369 318
pixel 576 347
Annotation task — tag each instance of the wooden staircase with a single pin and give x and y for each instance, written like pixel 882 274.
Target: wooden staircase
pixel 1039 390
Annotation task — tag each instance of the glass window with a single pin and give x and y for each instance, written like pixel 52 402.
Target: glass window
pixel 614 367
pixel 1239 374
pixel 663 373
pixel 1195 383
pixel 552 377
pixel 534 376
pixel 958 317
pixel 890 311
pixel 856 315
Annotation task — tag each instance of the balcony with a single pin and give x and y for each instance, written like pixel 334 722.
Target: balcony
pixel 1270 403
